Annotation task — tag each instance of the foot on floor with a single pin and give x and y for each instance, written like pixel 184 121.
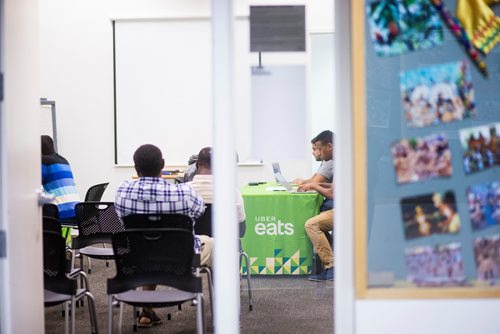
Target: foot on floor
pixel 326 275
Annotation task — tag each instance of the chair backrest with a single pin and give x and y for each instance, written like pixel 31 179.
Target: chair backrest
pixel 157 220
pixel 97 222
pixel 154 256
pixel 51 225
pixel 54 264
pixel 203 225
pixel 50 210
pixel 94 194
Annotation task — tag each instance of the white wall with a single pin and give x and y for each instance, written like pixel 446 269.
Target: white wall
pixel 76 71
pixel 21 272
pixel 428 316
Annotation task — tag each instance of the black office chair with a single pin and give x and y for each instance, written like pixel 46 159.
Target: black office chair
pixel 203 224
pixel 94 194
pixel 51 224
pixel 60 287
pixel 50 210
pixel 157 220
pixel 155 256
pixel 97 222
pixel 164 220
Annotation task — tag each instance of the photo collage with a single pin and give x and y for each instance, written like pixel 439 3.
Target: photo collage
pixel 432 97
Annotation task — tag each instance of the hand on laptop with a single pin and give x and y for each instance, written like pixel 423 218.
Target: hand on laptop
pixel 307 186
pixel 298 181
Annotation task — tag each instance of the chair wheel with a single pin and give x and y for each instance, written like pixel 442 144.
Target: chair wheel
pixel 250 307
pixel 135 328
pixel 169 316
pixel 62 313
pixel 107 264
pixel 89 270
pixel 179 307
pixel 137 314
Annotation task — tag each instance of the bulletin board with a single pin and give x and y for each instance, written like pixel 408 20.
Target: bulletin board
pixel 427 146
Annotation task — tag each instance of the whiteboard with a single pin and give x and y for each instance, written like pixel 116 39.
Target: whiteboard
pixel 163 88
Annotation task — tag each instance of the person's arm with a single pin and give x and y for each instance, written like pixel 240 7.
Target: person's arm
pixel 316 178
pixel 325 189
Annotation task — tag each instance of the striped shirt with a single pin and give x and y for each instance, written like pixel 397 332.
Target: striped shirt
pixel 57 179
pixel 155 195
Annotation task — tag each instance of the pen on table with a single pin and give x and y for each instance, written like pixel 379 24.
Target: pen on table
pixel 461 35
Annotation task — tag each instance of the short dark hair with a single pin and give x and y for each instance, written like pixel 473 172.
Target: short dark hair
pixel 205 157
pixel 148 160
pixel 325 137
pixel 47 145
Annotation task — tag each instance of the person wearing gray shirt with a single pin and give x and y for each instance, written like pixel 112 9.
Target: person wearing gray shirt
pixel 322 151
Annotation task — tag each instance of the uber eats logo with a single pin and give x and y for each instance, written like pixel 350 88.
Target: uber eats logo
pixel 271 226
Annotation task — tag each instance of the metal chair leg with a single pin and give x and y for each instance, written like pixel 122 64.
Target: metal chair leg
pixel 73 312
pixel 200 314
pixel 92 312
pixel 210 289
pixel 110 314
pixel 120 318
pixel 66 318
pixel 249 284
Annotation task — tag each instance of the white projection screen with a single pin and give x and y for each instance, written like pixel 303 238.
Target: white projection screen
pixel 158 98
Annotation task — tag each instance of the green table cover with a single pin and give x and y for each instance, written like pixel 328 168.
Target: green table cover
pixel 275 239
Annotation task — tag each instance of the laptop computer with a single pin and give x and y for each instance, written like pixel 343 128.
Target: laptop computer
pixel 280 179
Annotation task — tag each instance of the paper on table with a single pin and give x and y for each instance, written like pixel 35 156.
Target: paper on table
pixel 275 189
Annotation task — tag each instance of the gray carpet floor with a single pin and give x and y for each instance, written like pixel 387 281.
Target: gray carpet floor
pixel 281 304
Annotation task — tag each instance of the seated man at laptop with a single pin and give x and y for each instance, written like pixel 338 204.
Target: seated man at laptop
pixel 316 227
pixel 323 143
pixel 322 151
pixel 152 194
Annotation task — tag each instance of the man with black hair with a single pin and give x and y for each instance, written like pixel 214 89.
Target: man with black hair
pixel 57 179
pixel 152 194
pixel 202 182
pixel 322 150
pixel 323 144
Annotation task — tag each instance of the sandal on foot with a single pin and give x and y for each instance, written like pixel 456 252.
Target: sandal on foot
pixel 148 319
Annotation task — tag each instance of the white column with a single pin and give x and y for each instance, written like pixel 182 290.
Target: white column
pixel 226 260
pixel 21 272
pixel 344 166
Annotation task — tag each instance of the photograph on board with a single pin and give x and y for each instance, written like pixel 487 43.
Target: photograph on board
pixel 438 94
pixel 398 27
pixel 487 254
pixel 484 204
pixel 429 214
pixel 418 159
pixel 481 147
pixel 435 266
